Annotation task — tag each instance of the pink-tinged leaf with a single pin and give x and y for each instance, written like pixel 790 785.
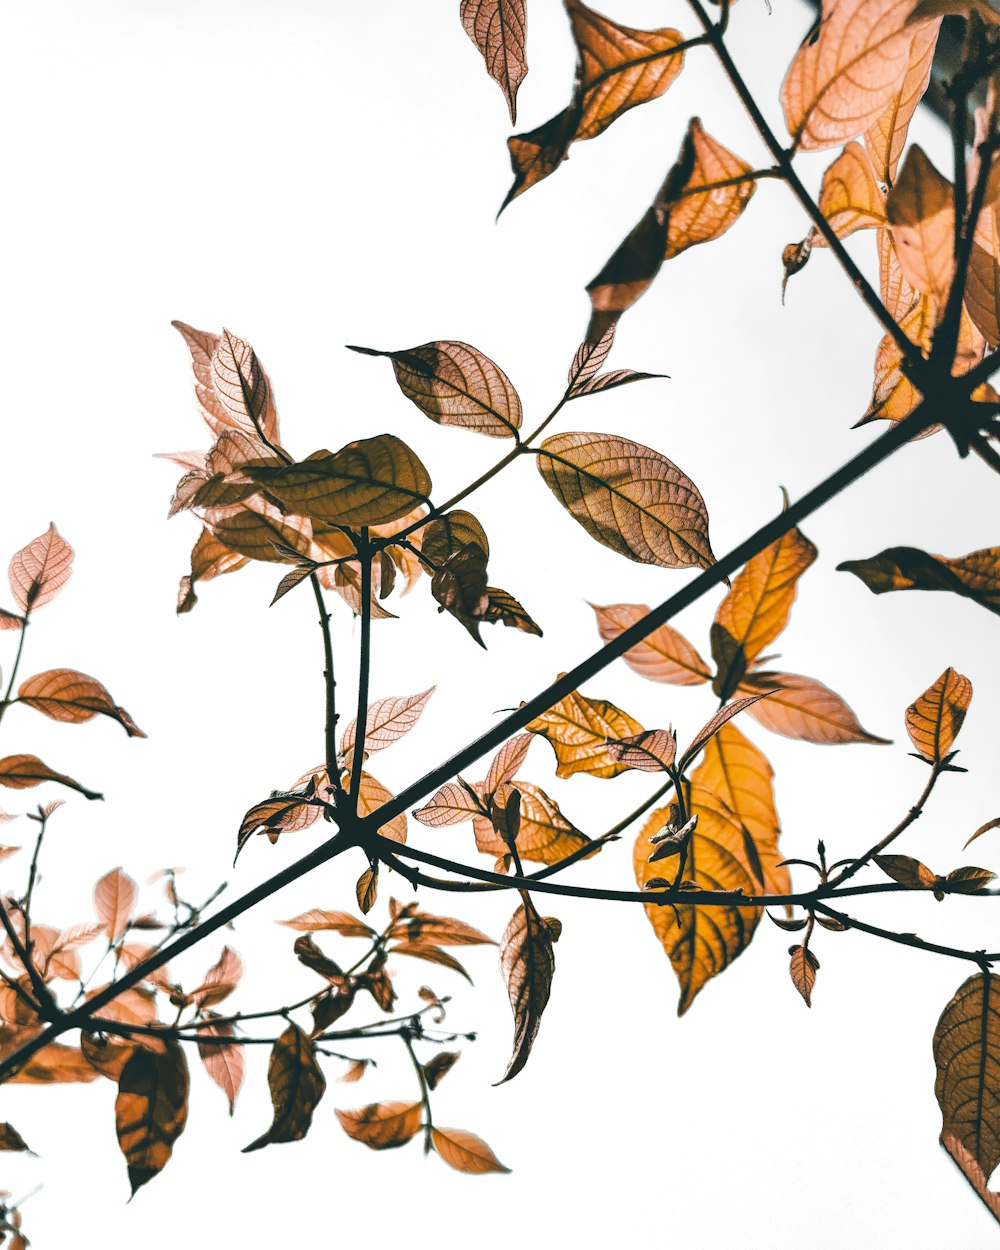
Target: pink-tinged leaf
pixel 115 897
pixel 498 28
pixel 803 708
pixel 664 655
pixel 450 806
pixel 387 721
pixel 39 571
pixel 223 1061
pixel 651 751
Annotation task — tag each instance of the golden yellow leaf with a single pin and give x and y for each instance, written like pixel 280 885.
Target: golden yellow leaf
pixel 65 695
pixel 528 965
pixel 296 1084
pixel 151 1109
pixel 465 1152
pixel 845 76
pixel 545 835
pixel 803 708
pixel 663 655
pixel 629 498
pixel 115 897
pixel 383 1125
pixel 497 28
pixel 886 135
pixel 850 198
pixel 40 570
pixel 757 606
pixel 369 482
pixel 933 720
pixel 921 213
pixel 967 1057
pixel 578 728
pixel 21 772
pixel 897 294
pixel 455 384
pixel 975 576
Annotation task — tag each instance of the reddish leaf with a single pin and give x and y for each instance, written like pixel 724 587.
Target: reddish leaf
pixel 497 28
pixel 39 571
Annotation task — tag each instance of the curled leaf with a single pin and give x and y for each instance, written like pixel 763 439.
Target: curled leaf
pixel 975 576
pixel 528 965
pixel 296 1084
pixel 21 772
pixel 65 695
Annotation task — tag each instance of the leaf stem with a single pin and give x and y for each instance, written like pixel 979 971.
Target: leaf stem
pixel 364 667
pixel 425 1094
pixel 6 701
pixel 330 682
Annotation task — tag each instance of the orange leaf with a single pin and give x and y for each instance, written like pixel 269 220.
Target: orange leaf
pixel 844 78
pixel 803 708
pixel 921 213
pixel 209 558
pixel 663 655
pixel 114 900
pixel 712 727
pixel 497 28
pixel 151 1109
pixel 465 1152
pixel 545 835
pixel 371 796
pixel 39 571
pixel 652 751
pixel 933 720
pixel 629 498
pixel 450 806
pixel 528 965
pixel 21 772
pixel 296 1084
pixel 886 135
pixel 578 728
pixel 338 921
pixel 382 1125
pixel 66 695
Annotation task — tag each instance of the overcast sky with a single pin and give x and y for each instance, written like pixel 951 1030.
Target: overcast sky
pixel 312 174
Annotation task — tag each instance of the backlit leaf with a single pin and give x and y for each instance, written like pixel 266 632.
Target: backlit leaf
pixel 629 498
pixel 663 655
pixel 803 967
pixel 497 28
pixel 970 880
pixel 369 482
pixel 55 1065
pixel 151 1109
pixel 449 806
pixel 650 752
pixel 115 897
pixel 337 921
pixel 578 729
pixel 712 726
pixel 65 695
pixel 387 721
pixel 503 607
pixel 850 199
pixel 465 1152
pixel 933 720
pixel 886 135
pixel 366 889
pixel 844 78
pixel 40 570
pixel 505 764
pixel 21 772
pixel 296 1084
pixel 990 824
pixel 223 1063
pixel 455 384
pixel 921 213
pixel 371 796
pixel 11 1139
pixel 528 964
pixel 209 558
pixel 436 1069
pixel 545 835
pixel 803 708
pixel 459 586
pixel 242 387
pixel 445 535
pixel 383 1125
pixel 975 576
pixel 907 871
pixel 284 812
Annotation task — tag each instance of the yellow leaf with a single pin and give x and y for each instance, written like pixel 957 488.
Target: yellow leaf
pixel 545 835
pixel 933 720
pixel 578 729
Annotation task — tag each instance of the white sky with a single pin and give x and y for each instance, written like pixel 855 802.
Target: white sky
pixel 312 174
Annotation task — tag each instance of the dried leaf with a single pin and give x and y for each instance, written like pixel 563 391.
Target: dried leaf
pixel 151 1109
pixel 386 722
pixel 578 729
pixel 436 1069
pixel 115 896
pixel 40 570
pixel 663 655
pixel 21 772
pixel 886 135
pixel 528 964
pixel 450 806
pixel 844 78
pixel 921 213
pixel 296 1084
pixel 383 1125
pixel 933 720
pixel 503 607
pixel 455 384
pixel 369 482
pixel 465 1152
pixel 629 498
pixel 803 708
pixel 990 824
pixel 651 751
pixel 975 576
pixel 223 1063
pixel 65 695
pixel 803 967
pixel 497 28
pixel 907 871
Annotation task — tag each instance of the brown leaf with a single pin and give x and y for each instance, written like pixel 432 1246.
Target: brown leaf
pixel 629 498
pixel 366 889
pixel 386 722
pixel 990 824
pixel 503 607
pixel 10 620
pixel 223 1063
pixel 115 897
pixel 465 1152
pixel 618 68
pixel 803 708
pixel 284 812
pixel 528 964
pixel 545 835
pixel 104 1055
pixel 921 213
pixel 803 968
pixel 66 695
pixel 975 576
pixel 967 1057
pixel 21 772
pixel 970 880
pixel 497 28
pixel 651 751
pixel 507 761
pixel 55 1065
pixel 886 135
pixel 704 210
pixel 40 570
pixel 440 931
pixel 382 1125
pixel 584 378
pixel 11 1139
pixel 436 1069
pixel 663 655
pixel 242 388
pixel 151 1109
pixel 757 606
pixel 449 533
pixel 455 384
pixel 431 955
pixel 845 77
pixel 296 1084
pixel 369 482
pixel 712 727
pixel 220 980
pixel 459 586
pixel 906 871
pixel 933 720
pixel 338 921
pixel 355 1071
pixel 209 558
pixel 578 729
pixel 450 806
